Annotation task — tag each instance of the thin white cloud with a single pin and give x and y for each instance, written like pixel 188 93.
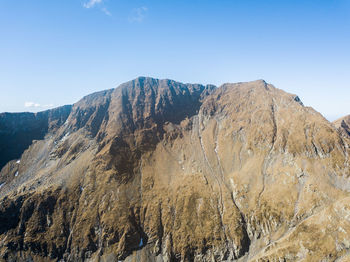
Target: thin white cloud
pixel 31 104
pixel 92 3
pixel 138 14
pixel 36 105
pixel 105 10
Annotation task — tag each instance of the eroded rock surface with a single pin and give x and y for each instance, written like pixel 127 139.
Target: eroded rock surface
pixel 343 124
pixel 157 170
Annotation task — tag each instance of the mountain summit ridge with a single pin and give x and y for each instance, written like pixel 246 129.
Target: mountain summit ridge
pixel 157 170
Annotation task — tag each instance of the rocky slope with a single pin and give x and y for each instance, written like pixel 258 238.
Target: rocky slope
pixel 157 170
pixel 343 124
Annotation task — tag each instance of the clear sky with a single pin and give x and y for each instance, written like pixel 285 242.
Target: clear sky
pixel 54 52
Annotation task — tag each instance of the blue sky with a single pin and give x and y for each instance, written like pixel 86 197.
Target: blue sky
pixel 54 52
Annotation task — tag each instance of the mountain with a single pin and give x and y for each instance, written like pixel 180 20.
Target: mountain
pixel 343 124
pixel 157 170
pixel 17 131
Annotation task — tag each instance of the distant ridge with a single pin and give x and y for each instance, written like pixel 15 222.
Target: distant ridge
pixel 18 130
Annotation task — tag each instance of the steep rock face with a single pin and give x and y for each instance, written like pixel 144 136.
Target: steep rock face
pixel 156 170
pixel 18 130
pixel 343 124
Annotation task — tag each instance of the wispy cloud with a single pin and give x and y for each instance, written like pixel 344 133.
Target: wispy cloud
pixel 105 10
pixel 138 14
pixel 92 3
pixel 36 105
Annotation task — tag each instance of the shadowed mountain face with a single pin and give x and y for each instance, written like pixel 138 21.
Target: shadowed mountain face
pixel 18 130
pixel 157 170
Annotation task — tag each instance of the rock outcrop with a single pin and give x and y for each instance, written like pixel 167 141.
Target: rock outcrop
pixel 157 170
pixel 343 124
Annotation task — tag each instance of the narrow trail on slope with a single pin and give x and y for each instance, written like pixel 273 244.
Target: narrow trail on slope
pixel 286 234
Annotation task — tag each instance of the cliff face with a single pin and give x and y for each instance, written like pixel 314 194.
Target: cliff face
pixel 156 170
pixel 18 130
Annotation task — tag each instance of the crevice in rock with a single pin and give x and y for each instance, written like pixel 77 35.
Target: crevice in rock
pixel 268 159
pixel 246 239
pixel 221 206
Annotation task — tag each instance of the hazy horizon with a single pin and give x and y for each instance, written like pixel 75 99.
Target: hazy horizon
pixel 54 53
